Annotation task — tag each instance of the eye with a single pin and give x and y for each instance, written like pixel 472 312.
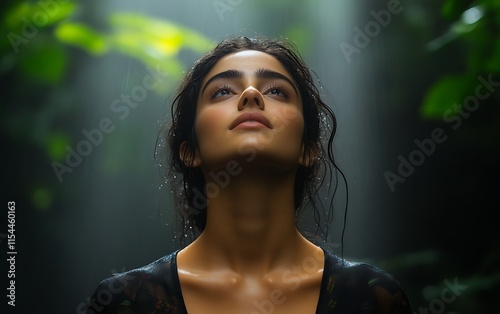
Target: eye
pixel 221 91
pixel 278 91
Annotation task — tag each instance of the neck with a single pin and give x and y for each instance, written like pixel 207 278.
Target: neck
pixel 251 221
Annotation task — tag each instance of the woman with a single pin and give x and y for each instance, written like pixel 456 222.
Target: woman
pixel 247 136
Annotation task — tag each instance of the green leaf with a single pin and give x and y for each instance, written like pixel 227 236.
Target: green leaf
pixel 493 3
pixel 451 9
pixel 196 42
pixel 447 92
pixel 300 35
pixel 56 146
pixel 44 61
pixel 461 28
pixel 38 15
pixel 82 36
pixel 493 63
pixel 14 16
pixel 42 198
pixel 154 37
pixel 154 42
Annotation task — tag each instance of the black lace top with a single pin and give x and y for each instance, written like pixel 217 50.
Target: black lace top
pixel 346 288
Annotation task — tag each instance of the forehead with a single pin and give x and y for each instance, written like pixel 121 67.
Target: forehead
pixel 248 61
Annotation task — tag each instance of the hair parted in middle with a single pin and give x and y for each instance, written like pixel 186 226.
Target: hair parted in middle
pixel 319 130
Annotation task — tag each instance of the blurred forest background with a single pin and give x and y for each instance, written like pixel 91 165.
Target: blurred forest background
pixel 86 87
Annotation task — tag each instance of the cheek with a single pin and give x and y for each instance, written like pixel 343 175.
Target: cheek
pixel 203 125
pixel 290 122
pixel 209 124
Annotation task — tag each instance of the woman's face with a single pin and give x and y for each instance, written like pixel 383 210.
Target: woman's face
pixel 249 110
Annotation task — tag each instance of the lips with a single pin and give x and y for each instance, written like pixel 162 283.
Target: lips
pixel 251 116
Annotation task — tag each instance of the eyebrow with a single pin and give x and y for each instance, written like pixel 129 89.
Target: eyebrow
pixel 260 73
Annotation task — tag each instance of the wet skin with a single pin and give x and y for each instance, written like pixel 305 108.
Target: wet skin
pixel 249 113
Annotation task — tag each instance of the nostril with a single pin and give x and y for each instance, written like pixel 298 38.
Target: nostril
pixel 256 101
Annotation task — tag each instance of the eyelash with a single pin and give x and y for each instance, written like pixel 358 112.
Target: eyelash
pixel 218 89
pixel 280 88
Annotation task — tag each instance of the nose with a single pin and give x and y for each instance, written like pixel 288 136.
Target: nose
pixel 251 97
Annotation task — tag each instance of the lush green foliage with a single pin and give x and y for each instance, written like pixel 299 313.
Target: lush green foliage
pixel 473 34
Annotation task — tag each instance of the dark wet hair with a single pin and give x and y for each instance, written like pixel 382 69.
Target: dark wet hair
pixel 188 183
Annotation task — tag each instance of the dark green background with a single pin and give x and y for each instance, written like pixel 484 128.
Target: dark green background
pixel 113 212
